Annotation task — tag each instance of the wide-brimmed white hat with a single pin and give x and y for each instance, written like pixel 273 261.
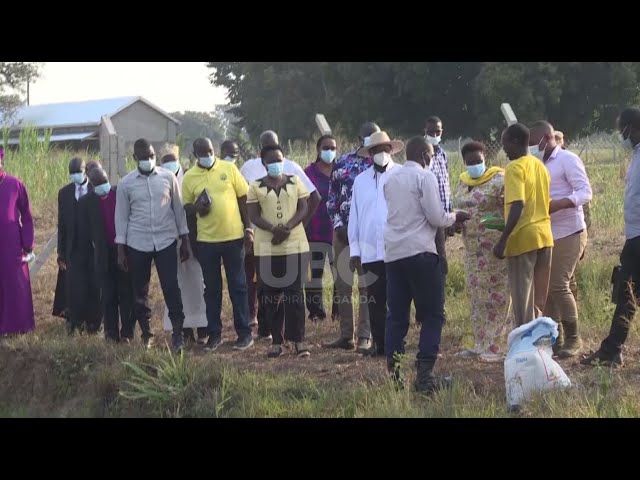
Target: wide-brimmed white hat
pixel 381 138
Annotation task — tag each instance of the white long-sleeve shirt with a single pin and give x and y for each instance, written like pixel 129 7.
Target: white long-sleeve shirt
pixel 568 180
pixel 368 214
pixel 414 212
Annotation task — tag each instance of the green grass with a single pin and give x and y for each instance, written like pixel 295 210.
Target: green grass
pixel 47 374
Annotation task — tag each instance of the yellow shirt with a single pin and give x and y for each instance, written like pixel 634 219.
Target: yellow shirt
pixel 225 185
pixel 279 209
pixel 527 179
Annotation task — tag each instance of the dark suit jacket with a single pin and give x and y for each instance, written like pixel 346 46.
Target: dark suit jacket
pixel 91 234
pixel 67 221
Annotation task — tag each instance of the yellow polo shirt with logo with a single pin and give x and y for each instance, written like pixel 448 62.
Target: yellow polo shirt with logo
pixel 225 185
pixel 527 179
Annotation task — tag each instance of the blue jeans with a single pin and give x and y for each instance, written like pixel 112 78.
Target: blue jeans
pixel 232 255
pixel 418 278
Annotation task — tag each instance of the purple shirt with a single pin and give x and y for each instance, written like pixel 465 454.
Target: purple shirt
pixel 320 228
pixel 108 209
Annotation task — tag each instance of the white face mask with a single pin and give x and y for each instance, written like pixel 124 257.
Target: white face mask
pixel 366 141
pixel 230 159
pixel 536 152
pixel 433 140
pixel 382 159
pixel 147 165
pixel 206 162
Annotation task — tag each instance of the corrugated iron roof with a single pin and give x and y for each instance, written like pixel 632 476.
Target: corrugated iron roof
pixel 59 138
pixel 75 113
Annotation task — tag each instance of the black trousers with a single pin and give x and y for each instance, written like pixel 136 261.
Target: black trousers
pixel 628 293
pixel 282 297
pixel 83 295
pixel 376 277
pixel 117 299
pixel 167 266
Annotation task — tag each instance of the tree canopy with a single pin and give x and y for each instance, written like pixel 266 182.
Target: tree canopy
pixel 577 97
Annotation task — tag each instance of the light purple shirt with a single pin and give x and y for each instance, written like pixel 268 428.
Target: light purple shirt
pixel 568 180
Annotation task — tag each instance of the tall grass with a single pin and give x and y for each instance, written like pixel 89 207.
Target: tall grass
pixel 42 168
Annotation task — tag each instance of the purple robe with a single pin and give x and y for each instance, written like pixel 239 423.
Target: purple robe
pixel 16 225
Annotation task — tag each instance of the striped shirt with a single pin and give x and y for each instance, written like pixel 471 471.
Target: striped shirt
pixel 440 168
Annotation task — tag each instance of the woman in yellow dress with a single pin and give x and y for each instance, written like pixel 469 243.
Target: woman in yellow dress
pixel 277 206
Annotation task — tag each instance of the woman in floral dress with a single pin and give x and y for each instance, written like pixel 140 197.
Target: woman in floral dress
pixel 481 192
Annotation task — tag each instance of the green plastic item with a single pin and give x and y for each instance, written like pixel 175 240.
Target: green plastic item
pixel 493 222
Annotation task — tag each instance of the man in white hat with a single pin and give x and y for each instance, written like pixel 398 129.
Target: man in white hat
pixel 345 170
pixel 367 217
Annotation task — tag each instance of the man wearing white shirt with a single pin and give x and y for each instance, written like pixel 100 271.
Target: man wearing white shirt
pixel 414 215
pixel 570 190
pixel 367 217
pixel 253 170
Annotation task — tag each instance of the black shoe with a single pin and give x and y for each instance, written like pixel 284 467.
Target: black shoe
pixel 393 368
pixel 276 351
pixel 343 343
pixel 604 359
pixel 317 317
pixel 189 337
pixel 213 343
pixel 243 344
pixel 374 351
pixel 426 382
pixel 177 342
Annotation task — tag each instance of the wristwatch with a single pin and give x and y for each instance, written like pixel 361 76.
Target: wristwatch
pixel 250 230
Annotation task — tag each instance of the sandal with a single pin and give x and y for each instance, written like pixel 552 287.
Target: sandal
pixel 276 351
pixel 302 351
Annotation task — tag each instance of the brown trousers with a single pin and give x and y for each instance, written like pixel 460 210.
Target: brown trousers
pixel 529 283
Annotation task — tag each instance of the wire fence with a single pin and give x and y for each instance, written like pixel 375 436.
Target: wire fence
pixel 596 148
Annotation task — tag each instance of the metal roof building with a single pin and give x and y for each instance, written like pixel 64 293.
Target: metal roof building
pixel 77 124
pixel 109 126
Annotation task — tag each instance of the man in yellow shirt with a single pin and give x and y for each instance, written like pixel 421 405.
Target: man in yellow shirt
pixel 527 240
pixel 217 193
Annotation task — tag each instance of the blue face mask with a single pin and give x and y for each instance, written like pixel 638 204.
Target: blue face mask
pixel 172 166
pixel 327 156
pixel 537 152
pixel 102 190
pixel 77 178
pixel 147 165
pixel 206 162
pixel 275 169
pixel 476 171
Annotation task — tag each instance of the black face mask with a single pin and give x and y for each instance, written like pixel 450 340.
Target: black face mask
pixel 380 168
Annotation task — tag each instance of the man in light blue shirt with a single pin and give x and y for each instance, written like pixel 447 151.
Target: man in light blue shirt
pixel 627 284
